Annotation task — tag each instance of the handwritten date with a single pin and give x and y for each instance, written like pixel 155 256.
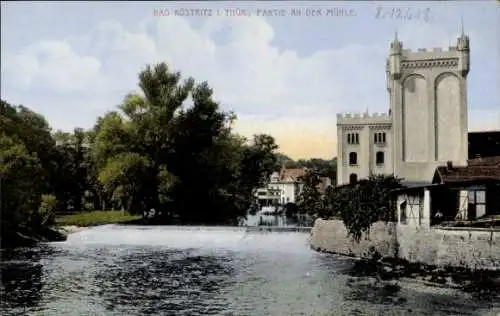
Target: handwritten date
pixel 403 14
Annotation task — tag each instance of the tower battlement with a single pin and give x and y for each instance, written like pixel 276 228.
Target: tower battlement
pixel 363 118
pixel 430 50
pixel 433 53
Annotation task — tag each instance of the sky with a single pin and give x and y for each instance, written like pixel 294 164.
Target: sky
pixel 285 75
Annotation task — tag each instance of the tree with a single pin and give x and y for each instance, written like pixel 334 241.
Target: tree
pixel 72 162
pixel 363 204
pixel 141 131
pixel 310 200
pixel 22 184
pixel 151 152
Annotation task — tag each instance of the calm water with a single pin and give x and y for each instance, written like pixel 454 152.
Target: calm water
pixel 114 270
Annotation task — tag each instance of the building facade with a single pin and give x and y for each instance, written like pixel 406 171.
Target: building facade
pixel 283 187
pixel 426 124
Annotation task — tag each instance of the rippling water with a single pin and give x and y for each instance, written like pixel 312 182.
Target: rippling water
pixel 118 270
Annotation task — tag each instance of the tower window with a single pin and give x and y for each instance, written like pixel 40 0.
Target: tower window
pixel 353 138
pixel 353 158
pixel 379 158
pixel 353 178
pixel 379 138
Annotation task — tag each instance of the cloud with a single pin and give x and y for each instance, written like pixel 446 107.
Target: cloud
pixel 272 90
pixel 50 64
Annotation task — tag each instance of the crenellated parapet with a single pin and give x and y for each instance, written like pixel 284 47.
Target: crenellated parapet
pixel 423 54
pixel 453 58
pixel 363 118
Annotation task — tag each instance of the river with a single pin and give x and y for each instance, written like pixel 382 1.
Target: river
pixel 132 270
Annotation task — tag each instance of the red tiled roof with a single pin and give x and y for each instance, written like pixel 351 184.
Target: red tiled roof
pixel 293 174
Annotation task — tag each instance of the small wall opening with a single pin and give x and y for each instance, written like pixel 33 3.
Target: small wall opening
pixel 353 158
pixel 353 178
pixel 379 158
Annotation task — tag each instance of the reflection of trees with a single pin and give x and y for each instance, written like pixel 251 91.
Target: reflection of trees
pixel 163 281
pixel 22 281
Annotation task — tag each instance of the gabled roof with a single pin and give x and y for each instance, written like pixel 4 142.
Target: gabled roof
pixel 485 162
pixel 292 175
pixel 469 173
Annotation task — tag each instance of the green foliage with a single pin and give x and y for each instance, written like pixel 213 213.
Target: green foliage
pixel 324 168
pixel 310 200
pixel 21 181
pixel 362 204
pixel 151 152
pixel 46 211
pixel 94 218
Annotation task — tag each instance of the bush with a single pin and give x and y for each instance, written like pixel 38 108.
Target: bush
pixel 46 211
pixel 364 203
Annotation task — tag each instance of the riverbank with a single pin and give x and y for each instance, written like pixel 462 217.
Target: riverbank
pixel 27 237
pixel 96 218
pixel 485 283
pixel 446 257
pixel 13 237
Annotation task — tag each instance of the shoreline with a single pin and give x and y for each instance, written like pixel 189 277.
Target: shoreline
pixel 387 270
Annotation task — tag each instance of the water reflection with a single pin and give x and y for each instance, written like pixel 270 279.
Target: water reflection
pixel 164 280
pixel 21 273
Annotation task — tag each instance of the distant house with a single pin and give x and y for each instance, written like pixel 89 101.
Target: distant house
pixel 464 193
pixel 283 187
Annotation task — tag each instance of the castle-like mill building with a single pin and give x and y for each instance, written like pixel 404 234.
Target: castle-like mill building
pixel 426 125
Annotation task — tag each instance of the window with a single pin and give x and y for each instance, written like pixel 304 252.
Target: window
pixel 353 138
pixel 353 178
pixel 379 138
pixel 402 209
pixel 353 158
pixel 477 204
pixel 379 158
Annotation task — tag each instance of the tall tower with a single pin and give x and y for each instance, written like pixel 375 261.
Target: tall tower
pixel 428 102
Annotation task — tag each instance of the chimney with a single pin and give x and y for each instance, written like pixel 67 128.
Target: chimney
pixel 449 165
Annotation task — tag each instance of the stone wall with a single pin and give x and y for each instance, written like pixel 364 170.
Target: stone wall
pixel 331 236
pixel 477 249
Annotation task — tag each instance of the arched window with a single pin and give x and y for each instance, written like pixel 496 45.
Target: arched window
pixel 353 158
pixel 379 159
pixel 353 178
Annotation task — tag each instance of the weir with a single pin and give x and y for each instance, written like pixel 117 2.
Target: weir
pixel 276 239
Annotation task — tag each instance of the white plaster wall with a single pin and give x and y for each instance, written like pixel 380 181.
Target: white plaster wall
pixel 448 112
pixel 463 205
pixel 415 119
pixel 387 167
pixel 366 150
pixel 289 189
pixel 413 209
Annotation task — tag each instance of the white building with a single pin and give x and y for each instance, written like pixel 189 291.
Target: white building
pixel 426 125
pixel 283 187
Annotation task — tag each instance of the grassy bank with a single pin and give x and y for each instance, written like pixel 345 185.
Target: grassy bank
pixel 95 218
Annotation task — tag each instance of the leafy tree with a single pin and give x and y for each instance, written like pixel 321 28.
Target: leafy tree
pixel 310 200
pixel 362 204
pixel 151 152
pixel 72 164
pixel 21 181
